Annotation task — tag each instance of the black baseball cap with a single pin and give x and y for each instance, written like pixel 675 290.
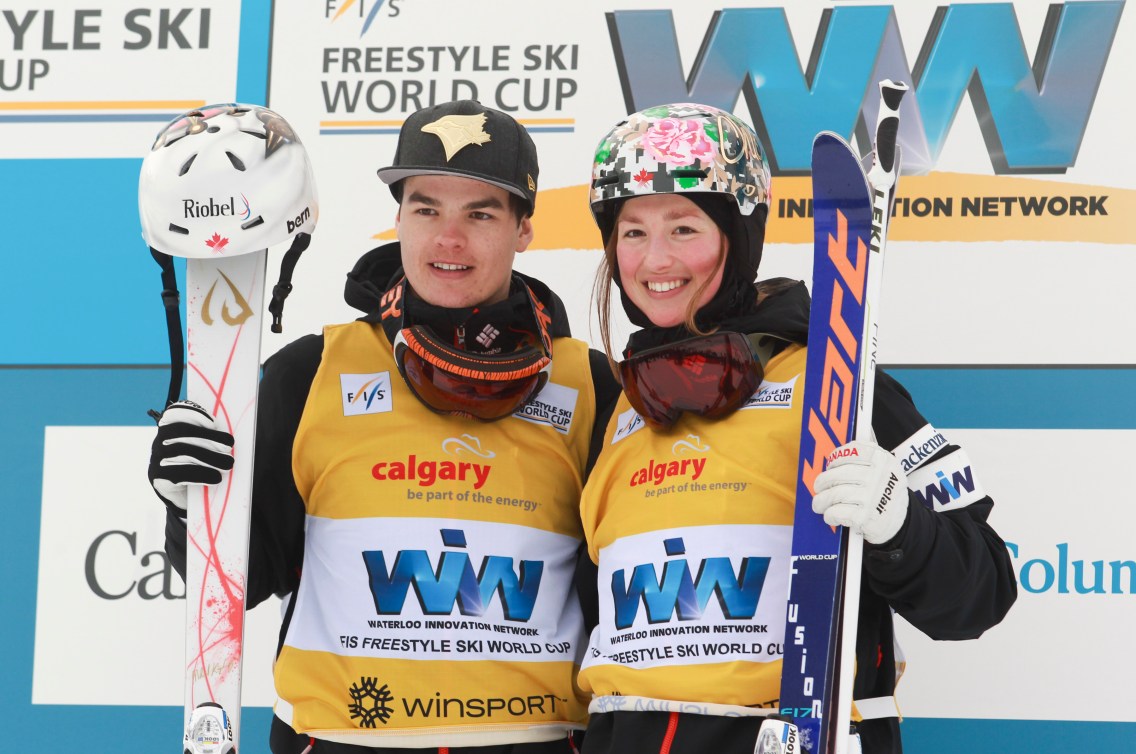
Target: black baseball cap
pixel 468 139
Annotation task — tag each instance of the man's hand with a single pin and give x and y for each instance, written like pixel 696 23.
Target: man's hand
pixel 863 488
pixel 189 449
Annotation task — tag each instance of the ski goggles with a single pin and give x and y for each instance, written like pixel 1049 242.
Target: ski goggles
pixel 483 386
pixel 710 375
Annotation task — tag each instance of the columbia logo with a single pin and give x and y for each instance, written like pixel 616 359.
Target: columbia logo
pixel 488 335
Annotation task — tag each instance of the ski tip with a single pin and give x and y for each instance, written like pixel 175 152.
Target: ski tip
pixel 891 92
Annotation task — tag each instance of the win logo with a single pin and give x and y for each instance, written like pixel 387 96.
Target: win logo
pixel 945 491
pixel 453 581
pixel 737 594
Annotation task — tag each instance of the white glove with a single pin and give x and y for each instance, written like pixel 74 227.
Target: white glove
pixel 189 449
pixel 863 488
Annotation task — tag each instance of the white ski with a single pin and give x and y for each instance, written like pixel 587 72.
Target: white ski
pixel 224 304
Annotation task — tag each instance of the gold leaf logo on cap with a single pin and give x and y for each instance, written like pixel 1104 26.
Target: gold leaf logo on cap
pixel 532 183
pixel 458 131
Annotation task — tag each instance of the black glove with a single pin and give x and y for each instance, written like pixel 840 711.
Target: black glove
pixel 189 449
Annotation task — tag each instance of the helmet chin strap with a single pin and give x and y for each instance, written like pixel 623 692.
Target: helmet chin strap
pixel 171 301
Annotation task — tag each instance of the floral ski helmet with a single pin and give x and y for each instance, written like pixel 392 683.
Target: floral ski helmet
pixel 709 155
pixel 674 149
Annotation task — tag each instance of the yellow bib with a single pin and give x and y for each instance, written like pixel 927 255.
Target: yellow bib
pixel 691 529
pixel 436 603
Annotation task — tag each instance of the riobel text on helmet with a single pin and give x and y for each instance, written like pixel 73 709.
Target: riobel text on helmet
pixel 212 209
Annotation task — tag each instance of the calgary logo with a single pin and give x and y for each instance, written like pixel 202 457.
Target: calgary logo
pixel 370 702
pixel 365 10
pixel 657 472
pixel 244 311
pixel 690 444
pixel 465 444
pixel 428 472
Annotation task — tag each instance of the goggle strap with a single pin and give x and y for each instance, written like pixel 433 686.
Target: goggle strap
pixel 491 367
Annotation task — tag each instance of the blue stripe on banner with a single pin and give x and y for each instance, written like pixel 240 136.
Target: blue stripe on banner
pixel 952 736
pixel 252 57
pixel 1024 397
pixel 79 285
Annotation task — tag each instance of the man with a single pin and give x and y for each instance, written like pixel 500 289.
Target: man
pixel 418 472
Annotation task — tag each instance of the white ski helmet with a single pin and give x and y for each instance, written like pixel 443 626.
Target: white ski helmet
pixel 225 180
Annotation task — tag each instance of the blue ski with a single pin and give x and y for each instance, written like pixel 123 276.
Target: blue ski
pixel 842 223
pixel 849 230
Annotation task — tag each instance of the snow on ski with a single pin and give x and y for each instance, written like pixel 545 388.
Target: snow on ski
pixel 841 348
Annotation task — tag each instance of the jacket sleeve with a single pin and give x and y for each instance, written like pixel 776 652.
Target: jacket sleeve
pixel 276 530
pixel 947 571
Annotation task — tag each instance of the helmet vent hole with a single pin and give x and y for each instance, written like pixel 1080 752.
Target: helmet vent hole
pixel 688 173
pixel 258 220
pixel 178 229
pixel 605 180
pixel 237 163
pixel 185 165
pixel 254 133
pixel 213 129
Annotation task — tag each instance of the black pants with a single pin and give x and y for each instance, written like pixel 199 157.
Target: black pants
pixel 670 733
pixel 284 740
pixel 679 733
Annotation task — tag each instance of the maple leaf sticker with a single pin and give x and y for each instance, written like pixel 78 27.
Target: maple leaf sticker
pixel 216 242
pixel 644 176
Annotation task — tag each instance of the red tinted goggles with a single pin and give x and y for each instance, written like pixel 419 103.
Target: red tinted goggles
pixel 711 375
pixel 483 386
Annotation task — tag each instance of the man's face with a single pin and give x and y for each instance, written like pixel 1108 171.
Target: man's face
pixel 458 236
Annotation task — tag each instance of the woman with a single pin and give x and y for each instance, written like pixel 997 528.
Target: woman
pixel 688 511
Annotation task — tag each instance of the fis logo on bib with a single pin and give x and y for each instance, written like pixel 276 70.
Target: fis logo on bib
pixel 628 423
pixel 366 393
pixel 772 395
